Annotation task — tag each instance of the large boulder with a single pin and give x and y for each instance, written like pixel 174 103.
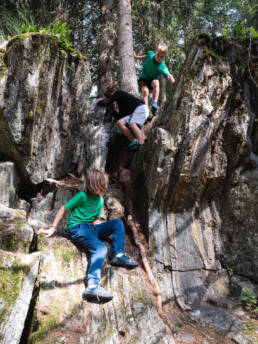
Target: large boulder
pixel 15 232
pixel 198 174
pixel 43 102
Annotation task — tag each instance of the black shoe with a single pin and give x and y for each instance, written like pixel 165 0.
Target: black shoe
pixel 124 262
pixel 98 294
pixel 154 108
pixel 133 146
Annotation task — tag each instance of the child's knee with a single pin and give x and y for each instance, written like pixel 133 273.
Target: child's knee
pixel 120 123
pixel 145 91
pixel 155 83
pixel 131 125
pixel 118 223
pixel 102 251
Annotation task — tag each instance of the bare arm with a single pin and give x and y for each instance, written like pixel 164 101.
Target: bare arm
pixel 138 57
pixel 49 232
pixel 97 222
pixel 170 78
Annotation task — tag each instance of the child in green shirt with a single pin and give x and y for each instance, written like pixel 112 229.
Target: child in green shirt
pixel 154 66
pixel 85 229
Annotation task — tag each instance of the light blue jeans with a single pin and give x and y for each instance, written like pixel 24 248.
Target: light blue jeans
pixel 89 237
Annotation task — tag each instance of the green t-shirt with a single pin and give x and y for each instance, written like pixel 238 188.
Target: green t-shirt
pixel 152 69
pixel 84 208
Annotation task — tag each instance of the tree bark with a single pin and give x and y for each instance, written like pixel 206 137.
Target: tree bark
pixel 128 80
pixel 106 46
pixel 161 21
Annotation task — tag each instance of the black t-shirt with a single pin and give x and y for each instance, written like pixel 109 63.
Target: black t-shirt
pixel 126 102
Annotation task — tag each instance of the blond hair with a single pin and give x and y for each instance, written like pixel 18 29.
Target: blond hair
pixel 162 47
pixel 95 181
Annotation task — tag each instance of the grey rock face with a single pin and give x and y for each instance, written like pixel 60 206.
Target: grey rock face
pixel 45 100
pixel 8 183
pixel 97 136
pixel 200 175
pixel 43 209
pixel 197 194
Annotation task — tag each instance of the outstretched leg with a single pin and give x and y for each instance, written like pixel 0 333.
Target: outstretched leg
pixel 137 132
pixel 116 228
pixel 155 90
pixel 145 94
pixel 127 132
pixel 86 237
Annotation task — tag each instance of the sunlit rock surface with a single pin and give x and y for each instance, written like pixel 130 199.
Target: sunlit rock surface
pixel 43 104
pixel 97 137
pixel 8 183
pixel 131 315
pixel 196 195
pixel 199 175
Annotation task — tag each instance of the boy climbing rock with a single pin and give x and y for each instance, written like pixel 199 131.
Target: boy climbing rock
pixel 86 230
pixel 154 66
pixel 133 113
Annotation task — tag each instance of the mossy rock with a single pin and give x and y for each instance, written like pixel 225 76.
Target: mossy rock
pixel 15 233
pixel 11 273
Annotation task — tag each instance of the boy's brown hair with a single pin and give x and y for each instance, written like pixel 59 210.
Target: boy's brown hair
pixel 95 181
pixel 162 47
pixel 110 89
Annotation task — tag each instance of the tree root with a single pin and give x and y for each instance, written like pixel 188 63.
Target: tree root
pixel 154 283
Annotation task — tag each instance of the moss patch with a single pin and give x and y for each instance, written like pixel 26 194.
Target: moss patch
pixel 213 54
pixel 12 241
pixel 3 72
pixel 10 278
pixel 51 321
pixel 251 329
pixel 65 255
pixel 47 323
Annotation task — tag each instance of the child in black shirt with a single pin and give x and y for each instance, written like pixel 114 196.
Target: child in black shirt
pixel 133 113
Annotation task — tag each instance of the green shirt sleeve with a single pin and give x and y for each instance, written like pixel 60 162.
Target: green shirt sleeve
pixel 150 54
pixel 164 70
pixel 100 208
pixel 75 201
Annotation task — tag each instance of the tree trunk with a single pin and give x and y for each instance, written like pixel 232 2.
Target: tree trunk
pixel 106 46
pixel 161 20
pixel 128 80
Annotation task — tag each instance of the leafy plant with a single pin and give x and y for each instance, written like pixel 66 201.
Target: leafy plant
pixel 230 272
pixel 243 32
pixel 227 32
pixel 60 32
pixel 57 31
pixel 250 299
pixel 29 28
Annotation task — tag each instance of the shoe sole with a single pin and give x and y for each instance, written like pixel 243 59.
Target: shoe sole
pixel 100 299
pixel 134 148
pixel 124 266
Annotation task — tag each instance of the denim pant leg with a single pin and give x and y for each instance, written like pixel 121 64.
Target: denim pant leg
pixel 86 236
pixel 117 229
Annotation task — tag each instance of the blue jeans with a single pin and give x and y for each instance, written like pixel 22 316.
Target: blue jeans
pixel 88 236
